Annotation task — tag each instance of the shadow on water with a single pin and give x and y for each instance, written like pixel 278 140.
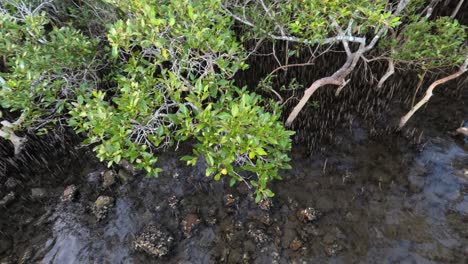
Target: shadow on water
pixel 369 200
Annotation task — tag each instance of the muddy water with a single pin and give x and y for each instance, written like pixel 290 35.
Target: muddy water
pixel 371 200
pixel 379 202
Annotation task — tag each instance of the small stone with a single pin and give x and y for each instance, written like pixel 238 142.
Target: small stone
pixel 101 206
pixel 189 223
pixel 265 204
pixel 265 219
pixel 108 179
pixel 333 249
pixel 69 194
pixel 123 175
pixel 173 201
pixel 127 166
pixel 348 178
pixel 93 178
pixel 8 199
pixel 38 193
pixel 211 217
pixel 257 235
pixel 230 200
pixel 11 183
pixel 296 244
pixel 154 241
pixel 309 214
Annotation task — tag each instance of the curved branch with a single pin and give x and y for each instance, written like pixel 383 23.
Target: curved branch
pixel 338 78
pixel 308 93
pixel 429 93
pixel 390 72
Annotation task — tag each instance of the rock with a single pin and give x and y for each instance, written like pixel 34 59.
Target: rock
pixel 127 166
pixel 173 201
pixel 257 235
pixel 308 215
pixel 101 206
pixel 38 193
pixel 333 249
pixel 124 176
pixel 348 178
pixel 295 245
pixel 211 216
pixel 69 194
pixel 11 183
pixel 108 179
pixel 265 204
pixel 8 199
pixel 154 241
pixel 265 218
pixel 230 200
pixel 93 178
pixel 189 223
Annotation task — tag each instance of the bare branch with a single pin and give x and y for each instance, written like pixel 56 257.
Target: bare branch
pixel 455 11
pixel 390 72
pixel 429 93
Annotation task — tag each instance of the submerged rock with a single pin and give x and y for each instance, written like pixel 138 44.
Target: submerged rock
pixel 173 201
pixel 69 194
pixel 38 193
pixel 101 206
pixel 230 200
pixel 333 249
pixel 123 175
pixel 309 214
pixel 127 166
pixel 154 241
pixel 7 199
pixel 108 179
pixel 11 183
pixel 258 235
pixel 296 244
pixel 189 223
pixel 265 204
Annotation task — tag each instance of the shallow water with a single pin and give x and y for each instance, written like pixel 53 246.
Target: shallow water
pixel 381 202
